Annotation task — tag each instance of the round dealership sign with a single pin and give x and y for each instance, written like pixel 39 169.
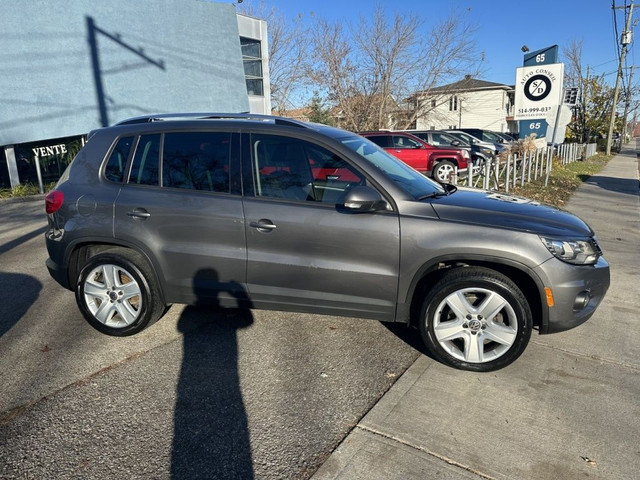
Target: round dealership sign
pixel 537 88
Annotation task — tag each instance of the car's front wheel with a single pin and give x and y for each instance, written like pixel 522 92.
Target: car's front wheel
pixel 443 171
pixel 117 293
pixel 475 319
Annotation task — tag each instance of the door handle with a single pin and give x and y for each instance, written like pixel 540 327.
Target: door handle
pixel 263 225
pixel 139 213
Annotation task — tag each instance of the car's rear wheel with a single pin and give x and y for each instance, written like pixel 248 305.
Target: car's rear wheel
pixel 475 319
pixel 117 293
pixel 443 171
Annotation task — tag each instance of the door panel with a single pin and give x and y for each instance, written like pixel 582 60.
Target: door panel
pixel 191 226
pixel 307 253
pixel 317 258
pixel 410 152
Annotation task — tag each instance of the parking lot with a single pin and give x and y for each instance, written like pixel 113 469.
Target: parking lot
pixel 255 394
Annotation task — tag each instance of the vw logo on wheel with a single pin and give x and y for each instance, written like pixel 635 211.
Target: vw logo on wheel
pixel 537 88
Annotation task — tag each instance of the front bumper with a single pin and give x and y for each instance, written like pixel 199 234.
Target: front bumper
pixel 577 292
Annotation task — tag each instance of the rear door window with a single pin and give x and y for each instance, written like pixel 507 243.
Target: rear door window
pixel 196 161
pixel 383 141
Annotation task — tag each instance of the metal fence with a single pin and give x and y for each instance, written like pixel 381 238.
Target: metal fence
pixel 515 170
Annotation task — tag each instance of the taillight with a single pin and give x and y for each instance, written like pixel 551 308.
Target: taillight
pixel 53 201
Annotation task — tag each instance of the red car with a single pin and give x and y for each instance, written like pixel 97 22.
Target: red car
pixel 439 163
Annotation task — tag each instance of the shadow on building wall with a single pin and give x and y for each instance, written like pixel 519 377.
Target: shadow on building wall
pixel 93 32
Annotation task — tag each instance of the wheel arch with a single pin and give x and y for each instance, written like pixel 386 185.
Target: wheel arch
pixel 453 160
pixel 80 253
pixel 429 274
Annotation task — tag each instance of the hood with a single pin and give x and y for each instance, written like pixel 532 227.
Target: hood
pixel 507 211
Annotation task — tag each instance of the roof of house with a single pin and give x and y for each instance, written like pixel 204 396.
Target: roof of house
pixel 468 83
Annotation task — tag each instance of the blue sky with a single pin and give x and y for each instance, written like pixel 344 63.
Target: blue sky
pixel 503 27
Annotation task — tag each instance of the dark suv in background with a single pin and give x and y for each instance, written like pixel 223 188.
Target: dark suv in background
pixel 265 212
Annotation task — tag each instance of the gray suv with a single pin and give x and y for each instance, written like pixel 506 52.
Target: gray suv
pixel 271 213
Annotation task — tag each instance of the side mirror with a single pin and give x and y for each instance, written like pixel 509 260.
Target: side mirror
pixel 364 199
pixel 455 143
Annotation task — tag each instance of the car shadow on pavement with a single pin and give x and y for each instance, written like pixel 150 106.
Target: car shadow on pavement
pixel 211 434
pixel 410 336
pixel 23 290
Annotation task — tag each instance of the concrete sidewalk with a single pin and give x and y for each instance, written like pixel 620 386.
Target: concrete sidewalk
pixel 568 408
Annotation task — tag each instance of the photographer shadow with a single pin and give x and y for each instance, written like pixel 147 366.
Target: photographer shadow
pixel 211 434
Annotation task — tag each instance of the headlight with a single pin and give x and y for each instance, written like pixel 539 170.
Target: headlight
pixel 486 151
pixel 578 252
pixel 465 153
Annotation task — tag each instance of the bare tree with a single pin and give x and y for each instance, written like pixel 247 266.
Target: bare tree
pixel 378 73
pixel 288 49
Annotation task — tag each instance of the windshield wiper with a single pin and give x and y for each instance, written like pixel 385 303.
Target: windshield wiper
pixel 448 190
pixel 432 195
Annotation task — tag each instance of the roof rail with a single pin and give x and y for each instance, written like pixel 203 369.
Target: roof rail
pixel 214 116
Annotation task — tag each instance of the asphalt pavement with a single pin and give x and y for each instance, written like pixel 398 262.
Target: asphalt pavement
pixel 202 393
pixel 568 408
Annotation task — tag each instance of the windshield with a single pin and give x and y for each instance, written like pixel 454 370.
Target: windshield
pixel 469 138
pixel 447 139
pixel 408 179
pixel 461 138
pixel 493 137
pixel 504 136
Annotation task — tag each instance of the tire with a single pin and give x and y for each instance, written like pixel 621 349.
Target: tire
pixel 475 319
pixel 117 293
pixel 443 171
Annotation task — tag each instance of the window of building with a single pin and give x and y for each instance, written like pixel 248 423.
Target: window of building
pixel 453 103
pixel 252 60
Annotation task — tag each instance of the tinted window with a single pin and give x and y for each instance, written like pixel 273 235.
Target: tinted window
pixel 404 142
pixel 144 170
pixel 443 139
pixel 298 170
pixel 383 140
pixel 421 135
pixel 197 161
pixel 114 169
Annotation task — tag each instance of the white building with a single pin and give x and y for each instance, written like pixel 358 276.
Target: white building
pixel 255 57
pixel 469 103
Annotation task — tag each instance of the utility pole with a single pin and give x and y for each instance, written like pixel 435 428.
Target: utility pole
pixel 625 40
pixel 586 136
pixel 627 103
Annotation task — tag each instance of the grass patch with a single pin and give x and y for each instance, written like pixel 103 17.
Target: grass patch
pixel 563 180
pixel 24 190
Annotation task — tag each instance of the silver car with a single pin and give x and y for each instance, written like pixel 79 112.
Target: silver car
pixel 271 213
